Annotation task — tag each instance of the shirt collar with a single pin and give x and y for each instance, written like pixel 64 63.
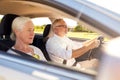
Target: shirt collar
pixel 59 36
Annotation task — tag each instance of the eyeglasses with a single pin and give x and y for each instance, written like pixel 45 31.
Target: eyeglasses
pixel 64 26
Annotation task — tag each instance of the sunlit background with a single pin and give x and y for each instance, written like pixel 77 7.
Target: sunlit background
pixel 112 5
pixel 45 20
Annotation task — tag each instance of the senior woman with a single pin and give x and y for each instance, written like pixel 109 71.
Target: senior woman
pixel 23 34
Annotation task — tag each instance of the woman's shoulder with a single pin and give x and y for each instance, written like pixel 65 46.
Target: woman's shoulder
pixel 34 47
pixel 39 52
pixel 11 51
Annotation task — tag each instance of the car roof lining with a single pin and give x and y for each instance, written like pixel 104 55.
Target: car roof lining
pixel 27 8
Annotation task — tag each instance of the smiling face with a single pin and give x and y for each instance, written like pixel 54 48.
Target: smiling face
pixel 26 34
pixel 60 27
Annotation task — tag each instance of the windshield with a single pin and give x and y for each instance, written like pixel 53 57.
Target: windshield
pixel 111 5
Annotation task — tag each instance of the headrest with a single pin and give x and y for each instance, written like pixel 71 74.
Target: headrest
pixel 6 22
pixel 46 30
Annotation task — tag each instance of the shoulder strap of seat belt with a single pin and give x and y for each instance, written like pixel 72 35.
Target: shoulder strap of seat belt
pixel 22 53
pixel 18 52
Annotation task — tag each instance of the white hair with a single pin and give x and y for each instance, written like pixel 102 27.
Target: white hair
pixel 18 23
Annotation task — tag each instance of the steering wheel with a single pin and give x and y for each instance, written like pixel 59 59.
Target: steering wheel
pixel 94 52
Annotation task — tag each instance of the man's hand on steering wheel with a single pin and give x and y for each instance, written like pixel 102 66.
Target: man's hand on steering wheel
pixel 93 51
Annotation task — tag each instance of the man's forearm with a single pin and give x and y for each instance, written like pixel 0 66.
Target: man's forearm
pixel 80 51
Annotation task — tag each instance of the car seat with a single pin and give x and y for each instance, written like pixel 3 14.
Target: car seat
pixel 46 33
pixel 45 38
pixel 5 31
pixel 39 41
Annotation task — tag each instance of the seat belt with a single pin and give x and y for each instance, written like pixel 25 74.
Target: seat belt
pixel 65 62
pixel 18 52
pixel 23 54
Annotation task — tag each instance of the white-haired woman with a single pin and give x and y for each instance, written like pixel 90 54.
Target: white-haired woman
pixel 23 34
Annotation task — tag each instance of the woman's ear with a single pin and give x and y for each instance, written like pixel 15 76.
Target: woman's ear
pixel 16 31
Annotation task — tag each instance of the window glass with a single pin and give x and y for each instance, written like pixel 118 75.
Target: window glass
pixel 81 31
pixel 111 5
pixel 40 23
pixel 76 30
pixel 1 17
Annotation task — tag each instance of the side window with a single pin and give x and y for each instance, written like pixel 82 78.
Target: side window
pixel 76 31
pixel 81 32
pixel 1 17
pixel 40 23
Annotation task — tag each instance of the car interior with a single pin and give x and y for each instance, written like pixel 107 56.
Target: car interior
pixel 5 32
pixel 11 9
pixel 37 11
pixel 6 41
pixel 39 40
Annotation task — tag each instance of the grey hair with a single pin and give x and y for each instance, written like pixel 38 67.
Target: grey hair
pixel 18 23
pixel 56 21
